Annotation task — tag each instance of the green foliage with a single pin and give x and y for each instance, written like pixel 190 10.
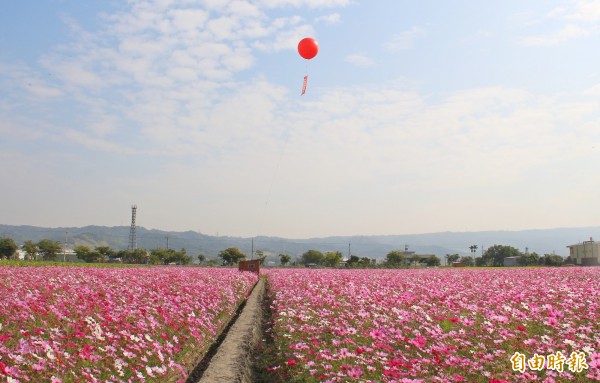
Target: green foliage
pixel 452 258
pixel 551 260
pixel 332 258
pixel 494 256
pixel 312 256
pixel 31 250
pixel 261 256
pixel 8 248
pixel 467 261
pixel 231 256
pixel 105 252
pixel 161 256
pixel 367 262
pixel 480 262
pixel 353 261
pixel 201 258
pixel 284 259
pixel 48 249
pixel 133 256
pixel 395 258
pixel 433 261
pixel 531 259
pixel 446 325
pixel 212 263
pixel 85 254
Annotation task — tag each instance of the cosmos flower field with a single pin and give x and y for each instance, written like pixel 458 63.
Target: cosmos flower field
pixel 440 325
pixel 81 324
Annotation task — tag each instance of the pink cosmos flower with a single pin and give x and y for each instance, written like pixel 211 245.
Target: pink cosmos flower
pixel 418 341
pixel 355 372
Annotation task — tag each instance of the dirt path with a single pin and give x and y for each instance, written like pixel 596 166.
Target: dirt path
pixel 233 361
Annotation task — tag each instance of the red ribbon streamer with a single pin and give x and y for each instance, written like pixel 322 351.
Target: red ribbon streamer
pixel 304 85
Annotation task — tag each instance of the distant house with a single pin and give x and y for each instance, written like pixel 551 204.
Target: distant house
pixel 586 253
pixel 511 261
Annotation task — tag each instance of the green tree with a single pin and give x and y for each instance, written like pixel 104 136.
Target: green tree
pixel 332 258
pixel 394 258
pixel 467 261
pixel 133 256
pixel 284 259
pixel 212 263
pixel 231 256
pixel 87 255
pixel 366 262
pixel 452 258
pixel 30 249
pixel 551 260
pixel 82 252
pixel 433 261
pixel 494 256
pixel 261 256
pixel 158 256
pixel 162 256
pixel 8 248
pixel 531 259
pixel 353 262
pixel 201 258
pixel 473 249
pixel 106 253
pixel 48 249
pixel 312 256
pixel 180 257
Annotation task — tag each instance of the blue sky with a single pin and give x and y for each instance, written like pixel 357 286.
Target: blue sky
pixel 419 116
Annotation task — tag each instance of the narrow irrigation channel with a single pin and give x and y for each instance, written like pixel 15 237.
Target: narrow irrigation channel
pixel 230 359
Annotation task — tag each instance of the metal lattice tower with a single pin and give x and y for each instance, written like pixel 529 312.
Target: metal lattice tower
pixel 132 234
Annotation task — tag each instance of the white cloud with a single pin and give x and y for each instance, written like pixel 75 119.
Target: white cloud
pixel 188 19
pixel 585 10
pixel 405 40
pixel 160 83
pixel 568 32
pixel 578 18
pixel 360 60
pixel 304 3
pixel 333 18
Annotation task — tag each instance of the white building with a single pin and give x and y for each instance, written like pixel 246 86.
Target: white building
pixel 586 253
pixel 511 261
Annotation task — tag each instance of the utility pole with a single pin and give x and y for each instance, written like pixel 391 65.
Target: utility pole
pixel 252 250
pixel 167 242
pixel 65 247
pixel 349 253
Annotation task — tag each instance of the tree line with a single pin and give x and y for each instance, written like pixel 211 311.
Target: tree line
pixel 47 250
pixel 494 256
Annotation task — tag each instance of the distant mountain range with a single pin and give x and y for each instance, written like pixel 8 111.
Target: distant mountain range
pixel 541 241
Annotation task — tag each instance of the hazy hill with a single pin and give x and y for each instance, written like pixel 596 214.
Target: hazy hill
pixel 440 244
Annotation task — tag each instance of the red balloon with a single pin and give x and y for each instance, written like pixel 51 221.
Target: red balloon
pixel 308 48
